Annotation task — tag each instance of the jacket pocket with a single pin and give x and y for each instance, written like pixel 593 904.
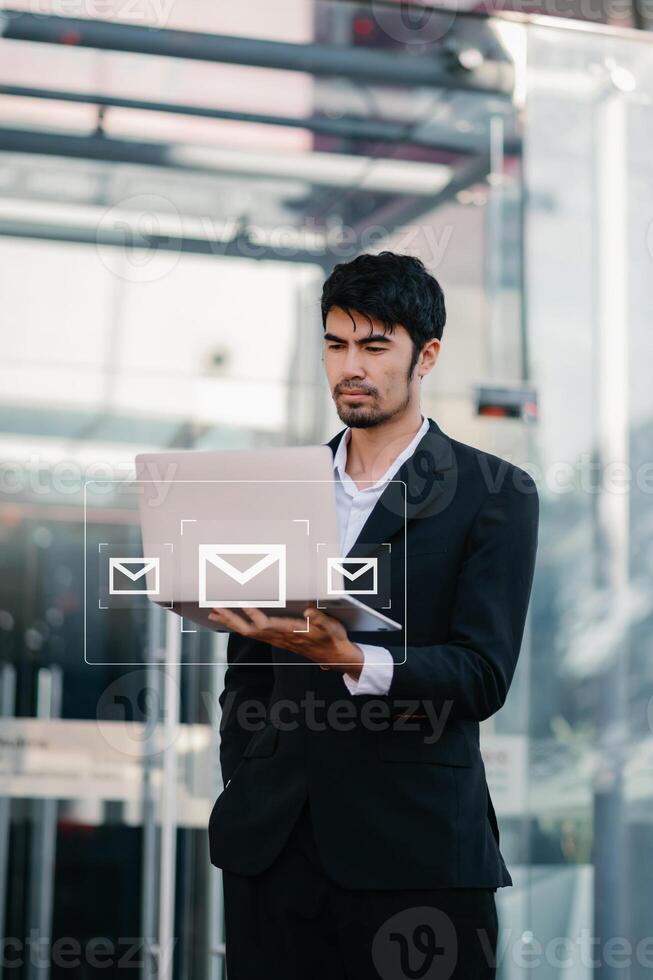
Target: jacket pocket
pixel 449 749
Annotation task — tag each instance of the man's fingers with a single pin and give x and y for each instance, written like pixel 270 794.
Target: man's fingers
pixel 259 619
pixel 285 624
pixel 253 620
pixel 321 620
pixel 272 624
pixel 231 619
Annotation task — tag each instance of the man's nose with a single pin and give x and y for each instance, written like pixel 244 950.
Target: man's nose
pixel 353 366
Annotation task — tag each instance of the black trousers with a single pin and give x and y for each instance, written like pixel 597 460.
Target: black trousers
pixel 292 922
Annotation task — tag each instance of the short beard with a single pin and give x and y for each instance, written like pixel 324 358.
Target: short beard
pixel 368 417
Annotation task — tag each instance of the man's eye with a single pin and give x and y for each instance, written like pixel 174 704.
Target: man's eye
pixel 374 350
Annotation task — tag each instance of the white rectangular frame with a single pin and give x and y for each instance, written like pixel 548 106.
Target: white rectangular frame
pixel 208 663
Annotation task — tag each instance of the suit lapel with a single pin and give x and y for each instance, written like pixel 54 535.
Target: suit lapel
pixel 422 474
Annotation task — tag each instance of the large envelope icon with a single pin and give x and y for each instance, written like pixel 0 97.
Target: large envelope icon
pixel 352 569
pixel 127 576
pixel 244 593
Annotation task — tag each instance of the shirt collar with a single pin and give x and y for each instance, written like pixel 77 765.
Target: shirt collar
pixel 340 459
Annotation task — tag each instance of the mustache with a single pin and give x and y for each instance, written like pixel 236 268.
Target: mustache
pixel 342 390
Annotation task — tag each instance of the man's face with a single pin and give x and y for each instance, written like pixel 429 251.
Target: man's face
pixel 367 369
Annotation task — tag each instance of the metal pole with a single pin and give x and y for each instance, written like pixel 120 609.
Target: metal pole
pixel 171 677
pixel 7 709
pixel 612 524
pixel 495 245
pixel 438 70
pixel 43 846
pixel 351 127
pixel 149 882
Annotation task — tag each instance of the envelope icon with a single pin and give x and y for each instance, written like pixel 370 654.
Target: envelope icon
pixel 241 583
pixel 353 569
pixel 127 576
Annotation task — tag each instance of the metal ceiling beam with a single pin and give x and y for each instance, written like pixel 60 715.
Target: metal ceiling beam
pixel 409 211
pixel 241 246
pixel 367 65
pixel 316 169
pixel 95 147
pixel 238 248
pixel 373 130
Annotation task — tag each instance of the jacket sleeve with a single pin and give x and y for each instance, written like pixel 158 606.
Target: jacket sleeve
pixel 248 682
pixel 474 668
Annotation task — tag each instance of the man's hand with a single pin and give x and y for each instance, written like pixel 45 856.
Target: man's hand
pixel 319 637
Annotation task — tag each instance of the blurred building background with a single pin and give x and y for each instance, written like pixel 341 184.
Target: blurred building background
pixel 170 203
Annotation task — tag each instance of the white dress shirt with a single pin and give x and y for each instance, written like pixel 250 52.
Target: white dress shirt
pixel 353 507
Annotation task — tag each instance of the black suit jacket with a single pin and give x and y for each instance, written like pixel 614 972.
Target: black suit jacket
pixel 393 807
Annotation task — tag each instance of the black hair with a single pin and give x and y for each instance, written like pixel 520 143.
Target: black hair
pixel 393 289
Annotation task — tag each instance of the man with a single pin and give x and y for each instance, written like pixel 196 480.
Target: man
pixel 367 846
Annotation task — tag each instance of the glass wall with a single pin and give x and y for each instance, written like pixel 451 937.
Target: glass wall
pixel 588 259
pixel 161 270
pixel 161 266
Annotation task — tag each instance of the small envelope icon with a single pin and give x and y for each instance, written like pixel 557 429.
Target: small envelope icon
pixel 269 555
pixel 352 569
pixel 124 572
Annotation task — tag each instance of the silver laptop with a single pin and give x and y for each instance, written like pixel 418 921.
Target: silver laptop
pixel 257 528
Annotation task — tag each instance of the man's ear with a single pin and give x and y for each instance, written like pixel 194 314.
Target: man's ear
pixel 428 356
